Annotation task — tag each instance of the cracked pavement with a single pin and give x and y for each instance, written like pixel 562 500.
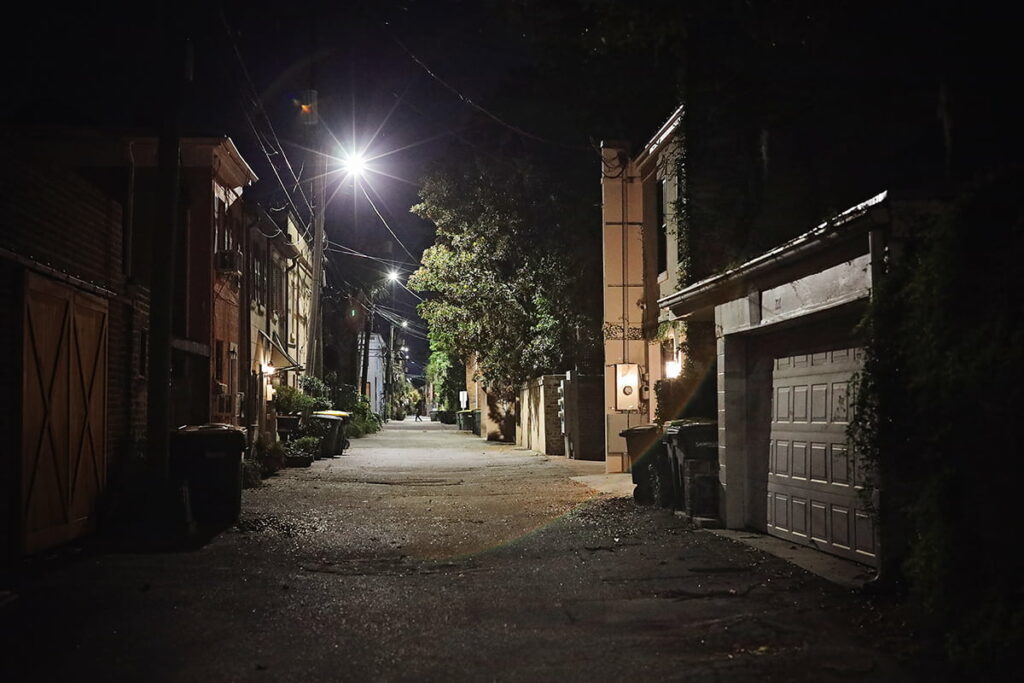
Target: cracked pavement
pixel 427 554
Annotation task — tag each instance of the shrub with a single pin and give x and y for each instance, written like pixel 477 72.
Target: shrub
pixel 265 458
pixel 290 400
pixel 304 446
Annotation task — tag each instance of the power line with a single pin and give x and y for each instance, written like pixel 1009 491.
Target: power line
pixel 381 217
pixel 485 112
pixel 257 105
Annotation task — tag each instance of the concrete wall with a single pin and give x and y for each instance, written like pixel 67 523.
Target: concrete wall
pixel 497 418
pixel 624 291
pixel 538 426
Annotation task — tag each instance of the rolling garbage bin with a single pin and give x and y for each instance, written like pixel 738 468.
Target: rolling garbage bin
pixel 648 465
pixel 208 460
pixel 464 420
pixel 692 447
pixel 335 439
pixel 476 426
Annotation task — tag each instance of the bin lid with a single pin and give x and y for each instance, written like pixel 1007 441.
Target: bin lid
pixel 212 428
pixel 639 429
pixel 332 413
pixel 694 423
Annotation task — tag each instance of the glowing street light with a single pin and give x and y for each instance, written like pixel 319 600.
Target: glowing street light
pixel 405 323
pixel 393 276
pixel 354 165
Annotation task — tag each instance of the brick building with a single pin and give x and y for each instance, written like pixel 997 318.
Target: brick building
pixel 74 345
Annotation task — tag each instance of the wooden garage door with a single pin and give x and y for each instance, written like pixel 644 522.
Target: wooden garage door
pixel 63 440
pixel 814 479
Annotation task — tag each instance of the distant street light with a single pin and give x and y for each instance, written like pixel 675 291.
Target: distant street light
pixel 393 276
pixel 405 323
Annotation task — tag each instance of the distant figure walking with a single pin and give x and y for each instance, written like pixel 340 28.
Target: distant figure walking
pixel 419 410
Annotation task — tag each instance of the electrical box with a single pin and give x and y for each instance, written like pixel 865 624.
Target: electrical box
pixel 561 404
pixel 627 386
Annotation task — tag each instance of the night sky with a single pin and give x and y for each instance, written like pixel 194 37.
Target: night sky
pixel 106 67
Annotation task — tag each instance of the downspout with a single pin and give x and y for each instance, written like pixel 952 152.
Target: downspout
pixel 287 298
pixel 129 219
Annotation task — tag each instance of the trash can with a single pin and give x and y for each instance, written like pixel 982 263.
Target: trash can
pixel 648 464
pixel 476 426
pixel 208 460
pixel 335 440
pixel 692 447
pixel 462 419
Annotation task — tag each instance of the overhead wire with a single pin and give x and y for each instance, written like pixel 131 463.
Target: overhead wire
pixel 489 114
pixel 382 220
pixel 257 105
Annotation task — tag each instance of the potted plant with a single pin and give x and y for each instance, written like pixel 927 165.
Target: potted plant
pixel 290 404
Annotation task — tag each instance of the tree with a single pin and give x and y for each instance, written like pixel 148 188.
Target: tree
pixel 447 376
pixel 501 271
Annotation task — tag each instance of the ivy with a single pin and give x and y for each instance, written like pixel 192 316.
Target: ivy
pixel 935 417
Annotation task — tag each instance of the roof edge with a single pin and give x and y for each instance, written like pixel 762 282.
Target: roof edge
pixel 708 291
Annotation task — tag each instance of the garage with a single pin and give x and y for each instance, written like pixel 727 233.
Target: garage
pixel 789 345
pixel 815 481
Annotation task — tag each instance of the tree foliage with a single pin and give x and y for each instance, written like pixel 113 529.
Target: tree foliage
pixel 936 416
pixel 503 271
pixel 447 376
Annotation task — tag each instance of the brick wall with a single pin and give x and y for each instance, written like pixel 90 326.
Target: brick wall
pixel 56 223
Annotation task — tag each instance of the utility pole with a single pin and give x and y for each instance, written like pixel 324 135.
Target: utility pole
pixel 162 267
pixel 314 360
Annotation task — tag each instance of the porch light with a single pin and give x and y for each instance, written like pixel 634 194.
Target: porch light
pixel 673 368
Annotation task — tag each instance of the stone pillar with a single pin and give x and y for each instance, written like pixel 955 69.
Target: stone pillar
pixel 623 270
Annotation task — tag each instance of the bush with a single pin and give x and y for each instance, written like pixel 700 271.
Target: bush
pixel 304 447
pixel 265 458
pixel 289 400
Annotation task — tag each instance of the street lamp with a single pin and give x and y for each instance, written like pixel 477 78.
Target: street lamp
pixel 393 276
pixel 354 165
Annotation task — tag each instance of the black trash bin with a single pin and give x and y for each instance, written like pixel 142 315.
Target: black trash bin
pixel 334 441
pixel 648 465
pixel 692 447
pixel 477 425
pixel 208 459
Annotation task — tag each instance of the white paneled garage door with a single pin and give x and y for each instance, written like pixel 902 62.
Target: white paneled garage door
pixel 814 480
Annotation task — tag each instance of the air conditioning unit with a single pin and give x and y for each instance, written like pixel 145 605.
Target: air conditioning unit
pixel 229 261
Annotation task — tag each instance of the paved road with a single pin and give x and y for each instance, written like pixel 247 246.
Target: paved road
pixel 427 554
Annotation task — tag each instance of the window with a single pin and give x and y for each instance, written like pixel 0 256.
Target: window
pixel 258 283
pixel 662 227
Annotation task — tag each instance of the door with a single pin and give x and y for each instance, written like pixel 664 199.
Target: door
pixel 64 421
pixel 814 479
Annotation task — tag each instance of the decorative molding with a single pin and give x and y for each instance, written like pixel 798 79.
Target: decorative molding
pixel 613 331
